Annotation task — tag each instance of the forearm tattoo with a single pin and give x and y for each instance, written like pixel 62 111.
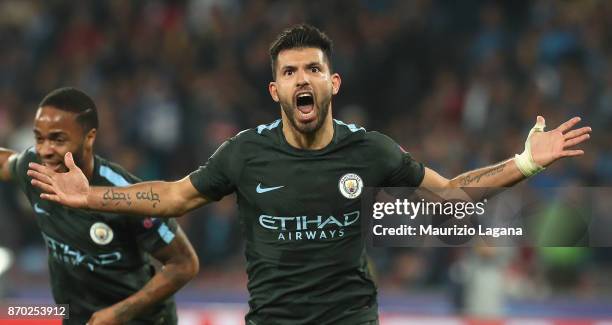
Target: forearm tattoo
pixel 117 197
pixel 471 179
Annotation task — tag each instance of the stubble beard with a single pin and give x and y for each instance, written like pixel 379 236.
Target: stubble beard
pixel 77 156
pixel 308 128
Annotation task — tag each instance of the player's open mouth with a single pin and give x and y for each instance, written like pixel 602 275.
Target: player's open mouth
pixel 56 166
pixel 305 105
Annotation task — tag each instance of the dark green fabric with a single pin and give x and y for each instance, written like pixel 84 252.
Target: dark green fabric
pixel 306 261
pixel 87 275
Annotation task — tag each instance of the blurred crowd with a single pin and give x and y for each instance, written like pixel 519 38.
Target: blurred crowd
pixel 457 83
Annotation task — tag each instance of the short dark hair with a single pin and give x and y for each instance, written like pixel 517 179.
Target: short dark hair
pixel 301 36
pixel 75 101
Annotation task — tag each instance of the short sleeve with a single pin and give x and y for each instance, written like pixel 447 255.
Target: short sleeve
pixel 19 167
pixel 13 166
pixel 409 172
pixel 214 179
pixel 402 170
pixel 153 234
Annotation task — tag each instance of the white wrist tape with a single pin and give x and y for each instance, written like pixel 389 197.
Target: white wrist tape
pixel 524 161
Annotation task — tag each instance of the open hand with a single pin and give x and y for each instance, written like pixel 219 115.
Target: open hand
pixel 547 147
pixel 70 189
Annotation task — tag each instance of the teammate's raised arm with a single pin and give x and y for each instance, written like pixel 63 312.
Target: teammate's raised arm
pixel 5 156
pixel 541 149
pixel 158 198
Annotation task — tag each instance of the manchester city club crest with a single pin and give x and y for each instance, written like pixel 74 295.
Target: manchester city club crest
pixel 101 233
pixel 350 185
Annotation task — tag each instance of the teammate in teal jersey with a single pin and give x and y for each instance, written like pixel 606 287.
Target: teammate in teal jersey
pixel 298 182
pixel 99 262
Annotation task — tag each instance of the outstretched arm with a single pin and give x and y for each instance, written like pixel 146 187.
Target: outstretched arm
pixel 541 149
pixel 5 156
pixel 180 265
pixel 159 199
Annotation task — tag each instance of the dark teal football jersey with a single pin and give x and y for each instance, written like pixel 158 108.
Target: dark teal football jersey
pixel 97 259
pixel 300 214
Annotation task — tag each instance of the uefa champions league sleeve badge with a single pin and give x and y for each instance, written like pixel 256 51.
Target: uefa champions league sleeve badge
pixel 350 185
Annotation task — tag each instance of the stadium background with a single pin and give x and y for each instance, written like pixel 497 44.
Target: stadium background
pixel 457 83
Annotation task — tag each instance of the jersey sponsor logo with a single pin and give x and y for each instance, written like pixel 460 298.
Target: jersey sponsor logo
pixel 350 185
pixel 101 233
pixel 40 210
pixel 309 227
pixel 261 189
pixel 66 254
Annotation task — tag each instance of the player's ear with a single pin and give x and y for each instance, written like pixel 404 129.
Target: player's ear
pixel 90 138
pixel 336 82
pixel 273 91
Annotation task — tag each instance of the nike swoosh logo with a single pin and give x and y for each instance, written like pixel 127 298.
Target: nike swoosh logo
pixel 260 189
pixel 39 210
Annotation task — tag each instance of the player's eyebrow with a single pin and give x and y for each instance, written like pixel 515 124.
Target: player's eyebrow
pixel 287 67
pixel 307 65
pixel 55 134
pixel 52 134
pixel 314 65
